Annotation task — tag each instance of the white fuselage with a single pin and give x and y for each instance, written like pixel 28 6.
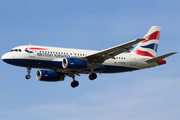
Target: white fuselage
pixel 42 56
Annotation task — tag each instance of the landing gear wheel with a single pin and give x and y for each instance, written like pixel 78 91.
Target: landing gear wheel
pixel 92 76
pixel 28 76
pixel 74 84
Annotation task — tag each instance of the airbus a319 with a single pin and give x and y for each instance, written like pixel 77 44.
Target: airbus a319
pixel 56 63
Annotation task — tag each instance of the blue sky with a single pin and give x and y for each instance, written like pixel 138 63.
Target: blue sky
pixel 97 24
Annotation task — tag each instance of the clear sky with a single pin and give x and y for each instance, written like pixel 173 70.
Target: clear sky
pixel 149 94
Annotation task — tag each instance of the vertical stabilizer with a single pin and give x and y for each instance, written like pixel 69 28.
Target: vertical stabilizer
pixel 149 46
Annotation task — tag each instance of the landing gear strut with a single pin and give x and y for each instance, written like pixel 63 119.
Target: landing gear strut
pixel 28 76
pixel 74 83
pixel 92 76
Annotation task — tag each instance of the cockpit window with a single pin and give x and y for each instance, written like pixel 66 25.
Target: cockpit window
pixel 16 50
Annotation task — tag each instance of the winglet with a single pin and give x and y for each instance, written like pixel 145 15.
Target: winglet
pixel 159 59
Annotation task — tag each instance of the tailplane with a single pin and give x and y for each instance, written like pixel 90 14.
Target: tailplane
pixel 148 47
pixel 159 59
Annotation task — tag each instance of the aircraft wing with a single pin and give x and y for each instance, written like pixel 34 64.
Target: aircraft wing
pixel 103 55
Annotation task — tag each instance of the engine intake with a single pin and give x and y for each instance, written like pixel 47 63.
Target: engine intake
pixel 49 76
pixel 74 63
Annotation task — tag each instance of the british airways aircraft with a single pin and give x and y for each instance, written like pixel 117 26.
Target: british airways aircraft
pixel 60 62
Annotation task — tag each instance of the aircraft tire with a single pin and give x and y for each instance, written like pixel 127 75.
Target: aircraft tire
pixel 74 84
pixel 28 76
pixel 92 76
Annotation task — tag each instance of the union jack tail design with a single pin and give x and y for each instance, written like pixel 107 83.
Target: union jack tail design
pixel 149 46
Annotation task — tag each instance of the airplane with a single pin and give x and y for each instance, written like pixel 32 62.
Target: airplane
pixel 57 63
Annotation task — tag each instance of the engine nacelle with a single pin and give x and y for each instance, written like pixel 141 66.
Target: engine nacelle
pixel 74 63
pixel 49 76
pixel 57 62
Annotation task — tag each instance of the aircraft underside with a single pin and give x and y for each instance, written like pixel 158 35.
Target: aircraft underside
pixel 42 64
pixel 55 72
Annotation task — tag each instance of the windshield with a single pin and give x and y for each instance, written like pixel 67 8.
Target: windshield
pixel 16 50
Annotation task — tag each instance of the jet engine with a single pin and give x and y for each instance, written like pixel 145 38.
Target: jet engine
pixel 74 63
pixel 49 76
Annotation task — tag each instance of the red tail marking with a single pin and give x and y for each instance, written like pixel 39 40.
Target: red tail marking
pixel 154 35
pixel 143 53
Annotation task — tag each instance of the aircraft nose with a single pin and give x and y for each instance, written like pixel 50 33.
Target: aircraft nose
pixel 5 58
pixel 9 58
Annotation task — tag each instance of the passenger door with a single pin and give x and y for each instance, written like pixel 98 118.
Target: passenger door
pixel 133 60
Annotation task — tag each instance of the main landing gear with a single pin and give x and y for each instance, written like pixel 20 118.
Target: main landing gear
pixel 28 76
pixel 74 83
pixel 92 76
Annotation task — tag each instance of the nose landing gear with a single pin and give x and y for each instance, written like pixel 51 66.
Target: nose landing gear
pixel 28 76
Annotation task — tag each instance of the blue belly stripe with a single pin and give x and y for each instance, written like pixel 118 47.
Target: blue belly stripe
pixel 43 64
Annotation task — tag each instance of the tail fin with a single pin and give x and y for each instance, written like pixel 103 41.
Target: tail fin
pixel 149 46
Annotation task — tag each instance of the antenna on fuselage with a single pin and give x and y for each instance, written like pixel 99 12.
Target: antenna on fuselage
pixel 30 44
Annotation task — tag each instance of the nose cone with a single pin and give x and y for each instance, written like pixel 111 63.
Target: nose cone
pixel 7 58
pixel 4 57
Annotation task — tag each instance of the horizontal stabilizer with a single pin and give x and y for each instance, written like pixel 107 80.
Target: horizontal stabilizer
pixel 160 57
